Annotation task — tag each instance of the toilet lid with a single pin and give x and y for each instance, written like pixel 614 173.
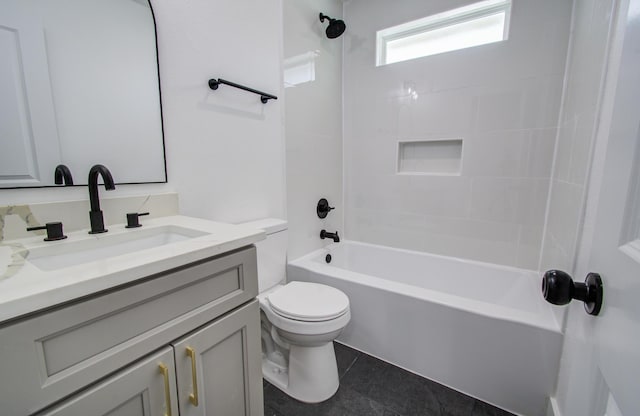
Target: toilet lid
pixel 304 301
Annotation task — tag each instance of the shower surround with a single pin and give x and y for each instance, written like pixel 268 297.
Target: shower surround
pixel 502 100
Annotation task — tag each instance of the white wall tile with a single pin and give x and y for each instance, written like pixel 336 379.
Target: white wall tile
pixel 502 100
pixel 313 127
pixel 500 153
pixel 529 245
pixel 510 153
pixel 586 66
pixel 514 200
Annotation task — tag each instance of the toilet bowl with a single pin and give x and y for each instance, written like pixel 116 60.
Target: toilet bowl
pixel 302 320
pixel 299 321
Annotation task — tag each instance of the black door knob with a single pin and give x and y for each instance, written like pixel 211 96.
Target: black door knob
pixel 559 288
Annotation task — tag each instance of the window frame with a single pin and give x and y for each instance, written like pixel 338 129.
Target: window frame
pixel 452 17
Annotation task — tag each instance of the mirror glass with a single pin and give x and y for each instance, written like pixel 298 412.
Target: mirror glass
pixel 79 86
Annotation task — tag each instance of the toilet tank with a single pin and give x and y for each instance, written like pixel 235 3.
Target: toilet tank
pixel 271 252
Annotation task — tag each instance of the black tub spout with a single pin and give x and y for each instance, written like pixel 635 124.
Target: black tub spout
pixel 334 236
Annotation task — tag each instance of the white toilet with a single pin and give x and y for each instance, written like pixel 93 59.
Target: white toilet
pixel 299 322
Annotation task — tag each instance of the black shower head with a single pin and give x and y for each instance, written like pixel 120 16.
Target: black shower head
pixel 336 27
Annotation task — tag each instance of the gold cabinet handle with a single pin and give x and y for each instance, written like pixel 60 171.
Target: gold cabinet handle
pixel 167 391
pixel 193 397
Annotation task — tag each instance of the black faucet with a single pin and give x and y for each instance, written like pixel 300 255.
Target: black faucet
pixel 95 215
pixel 324 234
pixel 62 172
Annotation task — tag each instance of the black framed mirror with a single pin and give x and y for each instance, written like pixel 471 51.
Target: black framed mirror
pixel 79 86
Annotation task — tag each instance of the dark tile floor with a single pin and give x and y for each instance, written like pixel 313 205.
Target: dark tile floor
pixel 369 386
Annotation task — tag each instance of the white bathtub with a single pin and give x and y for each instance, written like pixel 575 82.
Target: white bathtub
pixel 479 328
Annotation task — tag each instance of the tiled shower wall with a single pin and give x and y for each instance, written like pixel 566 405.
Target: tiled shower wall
pixel 501 99
pixel 313 123
pixel 578 125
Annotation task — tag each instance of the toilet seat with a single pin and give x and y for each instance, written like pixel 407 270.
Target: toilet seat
pixel 296 325
pixel 308 302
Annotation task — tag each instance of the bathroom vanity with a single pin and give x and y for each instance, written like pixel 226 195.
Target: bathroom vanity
pixel 171 329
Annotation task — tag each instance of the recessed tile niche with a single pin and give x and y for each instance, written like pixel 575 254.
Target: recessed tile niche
pixel 433 157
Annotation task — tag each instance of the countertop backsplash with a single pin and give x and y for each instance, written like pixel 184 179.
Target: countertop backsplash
pixel 74 215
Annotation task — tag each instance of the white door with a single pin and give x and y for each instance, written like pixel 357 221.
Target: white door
pixel 601 361
pixel 29 147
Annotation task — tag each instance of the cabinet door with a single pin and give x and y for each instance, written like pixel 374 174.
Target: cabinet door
pixel 219 367
pixel 147 388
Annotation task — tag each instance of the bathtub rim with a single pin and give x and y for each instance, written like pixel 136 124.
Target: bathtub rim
pixel 499 312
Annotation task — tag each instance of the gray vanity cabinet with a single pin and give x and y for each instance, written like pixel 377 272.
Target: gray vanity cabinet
pixel 218 368
pixel 98 348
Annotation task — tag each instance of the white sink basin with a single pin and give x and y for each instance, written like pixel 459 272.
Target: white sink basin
pixel 103 246
pixel 36 275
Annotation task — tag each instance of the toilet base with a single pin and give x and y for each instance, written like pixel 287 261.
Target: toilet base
pixel 312 375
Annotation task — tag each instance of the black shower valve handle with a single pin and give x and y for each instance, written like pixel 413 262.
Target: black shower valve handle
pixel 54 231
pixel 323 208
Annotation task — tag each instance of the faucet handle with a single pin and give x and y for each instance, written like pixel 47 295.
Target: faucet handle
pixel 133 219
pixel 54 231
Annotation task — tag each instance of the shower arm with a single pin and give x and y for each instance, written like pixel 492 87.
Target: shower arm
pixel 324 16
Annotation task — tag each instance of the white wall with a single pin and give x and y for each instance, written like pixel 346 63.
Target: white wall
pixel 502 99
pixel 313 125
pixel 225 149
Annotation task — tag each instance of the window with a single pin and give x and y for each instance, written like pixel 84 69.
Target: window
pixel 300 69
pixel 473 25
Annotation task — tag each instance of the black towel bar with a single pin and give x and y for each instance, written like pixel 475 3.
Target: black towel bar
pixel 264 97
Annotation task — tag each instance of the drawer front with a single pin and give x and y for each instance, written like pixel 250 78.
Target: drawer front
pixel 54 354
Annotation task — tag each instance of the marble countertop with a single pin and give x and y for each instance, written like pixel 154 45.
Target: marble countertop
pixel 25 288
